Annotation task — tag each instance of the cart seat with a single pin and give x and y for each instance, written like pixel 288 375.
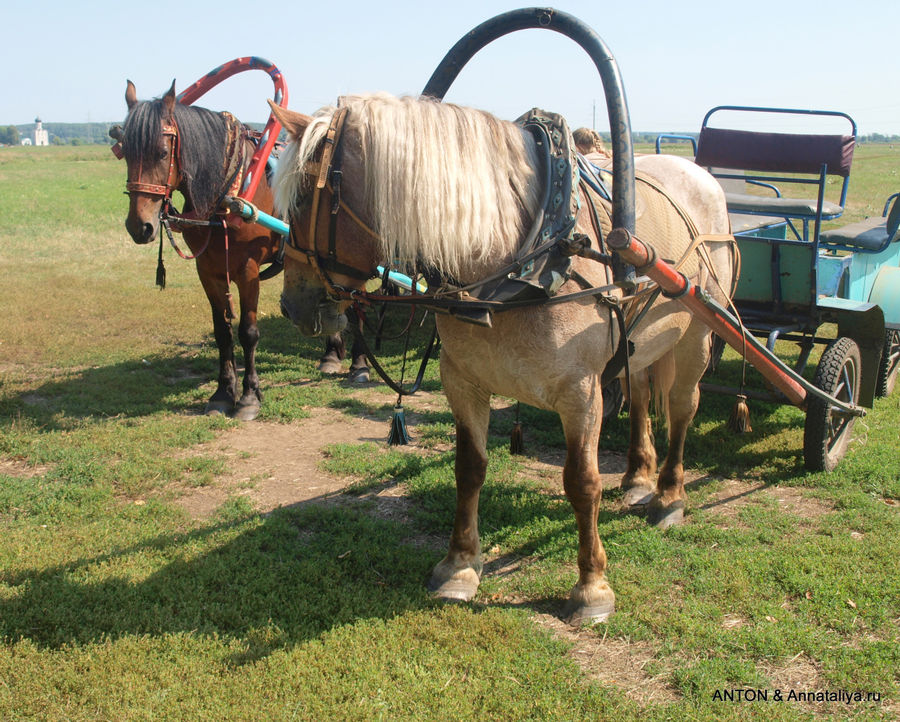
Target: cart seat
pixel 744 223
pixel 770 205
pixel 802 161
pixel 872 235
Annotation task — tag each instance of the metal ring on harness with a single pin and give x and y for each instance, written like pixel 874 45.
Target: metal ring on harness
pixel 683 292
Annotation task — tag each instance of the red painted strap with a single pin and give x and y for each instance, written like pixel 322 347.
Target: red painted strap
pixel 270 133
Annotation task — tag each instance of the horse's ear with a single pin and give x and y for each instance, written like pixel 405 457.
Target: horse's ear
pixel 130 95
pixel 294 123
pixel 169 99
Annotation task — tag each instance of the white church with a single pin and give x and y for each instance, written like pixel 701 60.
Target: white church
pixel 41 136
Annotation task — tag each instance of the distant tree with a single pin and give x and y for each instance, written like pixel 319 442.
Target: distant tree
pixel 9 135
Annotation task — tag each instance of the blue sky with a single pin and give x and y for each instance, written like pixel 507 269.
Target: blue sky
pixel 68 61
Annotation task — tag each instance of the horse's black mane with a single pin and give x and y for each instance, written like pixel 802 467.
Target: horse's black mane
pixel 202 134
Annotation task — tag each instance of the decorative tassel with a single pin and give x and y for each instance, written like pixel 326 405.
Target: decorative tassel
pixel 399 435
pixel 160 267
pixel 516 442
pixel 739 421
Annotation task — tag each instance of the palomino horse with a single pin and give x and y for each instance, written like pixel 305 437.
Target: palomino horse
pixel 202 154
pixel 454 190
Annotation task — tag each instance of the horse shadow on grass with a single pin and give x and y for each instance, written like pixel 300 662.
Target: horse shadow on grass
pixel 177 381
pixel 273 581
pixel 297 573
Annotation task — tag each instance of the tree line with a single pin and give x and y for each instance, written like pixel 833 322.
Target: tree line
pixel 98 134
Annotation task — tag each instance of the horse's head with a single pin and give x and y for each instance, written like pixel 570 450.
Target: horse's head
pixel 444 187
pixel 149 143
pixel 331 251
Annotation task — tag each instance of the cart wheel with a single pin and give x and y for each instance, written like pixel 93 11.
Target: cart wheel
pixel 890 364
pixel 827 431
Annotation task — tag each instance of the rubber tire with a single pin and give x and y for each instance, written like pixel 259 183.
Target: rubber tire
pixel 889 366
pixel 827 435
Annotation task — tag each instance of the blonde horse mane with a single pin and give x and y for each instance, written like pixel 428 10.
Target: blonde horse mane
pixel 451 186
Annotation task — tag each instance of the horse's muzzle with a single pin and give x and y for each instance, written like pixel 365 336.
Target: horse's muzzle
pixel 141 232
pixel 323 319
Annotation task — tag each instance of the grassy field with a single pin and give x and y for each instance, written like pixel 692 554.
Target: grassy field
pixel 117 603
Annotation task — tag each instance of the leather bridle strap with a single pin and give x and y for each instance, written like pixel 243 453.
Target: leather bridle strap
pixel 329 146
pixel 169 130
pixel 328 179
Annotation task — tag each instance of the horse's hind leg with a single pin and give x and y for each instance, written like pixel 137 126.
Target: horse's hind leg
pixel 691 356
pixel 638 482
pixel 247 407
pixel 591 599
pixel 457 576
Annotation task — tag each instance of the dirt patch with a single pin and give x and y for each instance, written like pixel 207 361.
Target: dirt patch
pixel 277 465
pixel 733 496
pixel 617 662
pixel 22 469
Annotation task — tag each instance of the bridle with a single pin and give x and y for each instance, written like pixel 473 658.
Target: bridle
pixel 173 177
pixel 169 217
pixel 326 203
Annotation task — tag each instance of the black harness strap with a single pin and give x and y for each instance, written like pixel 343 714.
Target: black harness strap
pixel 433 343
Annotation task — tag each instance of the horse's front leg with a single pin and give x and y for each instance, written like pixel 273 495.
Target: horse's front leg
pixel 638 481
pixel 335 352
pixel 247 407
pixel 457 575
pixel 359 363
pixel 211 270
pixel 592 599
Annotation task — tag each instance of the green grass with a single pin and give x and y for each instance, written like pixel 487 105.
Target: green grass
pixel 114 604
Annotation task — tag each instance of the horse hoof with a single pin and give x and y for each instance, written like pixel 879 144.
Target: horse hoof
pixel 330 367
pixel 662 517
pixel 588 614
pixel 460 587
pixel 218 408
pixel 638 496
pixel 590 603
pixel 359 376
pixel 246 412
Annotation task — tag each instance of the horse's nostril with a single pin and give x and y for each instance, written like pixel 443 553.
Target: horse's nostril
pixel 148 231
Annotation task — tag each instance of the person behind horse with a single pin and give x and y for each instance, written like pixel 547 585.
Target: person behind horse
pixel 591 146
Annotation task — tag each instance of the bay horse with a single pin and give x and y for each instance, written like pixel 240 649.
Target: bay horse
pixel 453 190
pixel 202 153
